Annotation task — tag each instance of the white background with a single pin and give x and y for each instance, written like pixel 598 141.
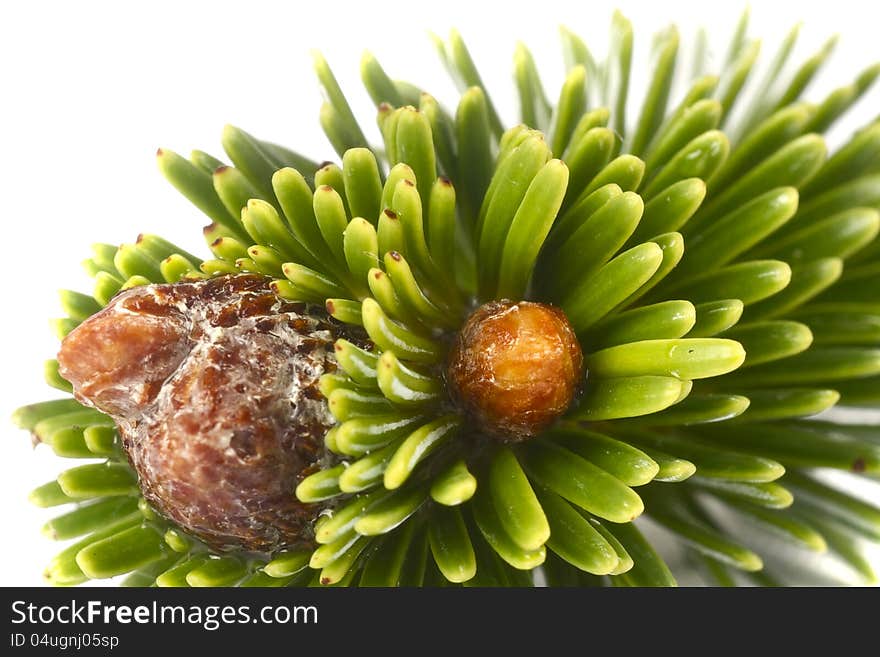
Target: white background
pixel 90 90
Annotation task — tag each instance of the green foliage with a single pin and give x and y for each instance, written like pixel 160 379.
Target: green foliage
pixel 722 282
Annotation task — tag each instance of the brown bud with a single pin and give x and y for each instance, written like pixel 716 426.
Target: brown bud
pixel 515 367
pixel 214 388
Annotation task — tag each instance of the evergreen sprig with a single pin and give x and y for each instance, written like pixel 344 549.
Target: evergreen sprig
pixel 723 289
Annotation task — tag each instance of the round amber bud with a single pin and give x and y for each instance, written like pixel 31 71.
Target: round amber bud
pixel 515 367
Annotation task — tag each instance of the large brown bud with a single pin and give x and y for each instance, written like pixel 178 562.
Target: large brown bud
pixel 214 388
